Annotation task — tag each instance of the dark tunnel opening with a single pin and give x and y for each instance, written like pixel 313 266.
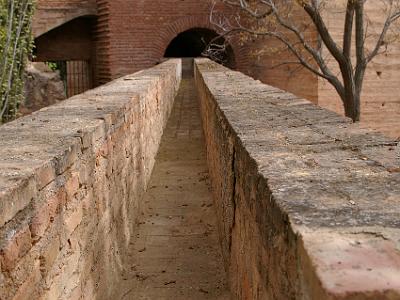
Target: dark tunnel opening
pixel 194 42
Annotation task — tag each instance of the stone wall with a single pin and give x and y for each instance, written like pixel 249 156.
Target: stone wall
pixel 131 35
pixel 71 180
pixel 308 203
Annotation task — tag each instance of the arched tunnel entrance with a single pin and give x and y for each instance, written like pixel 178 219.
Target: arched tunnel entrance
pixel 194 42
pixel 70 50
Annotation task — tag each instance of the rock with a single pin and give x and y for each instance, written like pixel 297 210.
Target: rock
pixel 43 87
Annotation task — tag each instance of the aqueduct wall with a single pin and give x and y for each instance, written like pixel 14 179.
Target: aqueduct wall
pixel 307 202
pixel 71 179
pixel 130 35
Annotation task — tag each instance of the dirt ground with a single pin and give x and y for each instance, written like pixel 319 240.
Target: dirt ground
pixel 176 254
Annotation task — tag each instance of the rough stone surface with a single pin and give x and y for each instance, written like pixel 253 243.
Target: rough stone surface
pixel 43 87
pixel 308 203
pixel 175 253
pixel 72 178
pixel 129 35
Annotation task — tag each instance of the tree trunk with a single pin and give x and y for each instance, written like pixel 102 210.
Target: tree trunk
pixel 351 101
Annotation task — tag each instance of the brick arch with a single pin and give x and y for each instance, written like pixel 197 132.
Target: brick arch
pixel 47 20
pixel 172 30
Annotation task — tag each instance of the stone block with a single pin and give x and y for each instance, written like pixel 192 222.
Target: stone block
pixel 72 185
pixel 59 214
pixel 73 219
pixel 15 196
pixel 45 175
pixel 14 247
pixel 307 205
pixel 28 289
pixel 49 253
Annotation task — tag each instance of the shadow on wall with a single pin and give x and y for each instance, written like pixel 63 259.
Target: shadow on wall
pixel 193 43
pixel 71 48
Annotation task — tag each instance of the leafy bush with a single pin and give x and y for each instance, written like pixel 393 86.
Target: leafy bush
pixel 53 65
pixel 15 46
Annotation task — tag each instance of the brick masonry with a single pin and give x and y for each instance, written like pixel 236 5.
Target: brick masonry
pixel 73 41
pixel 71 180
pixel 131 35
pixel 138 44
pixel 52 13
pixel 308 203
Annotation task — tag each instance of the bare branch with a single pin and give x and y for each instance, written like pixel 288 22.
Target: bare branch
pixel 393 17
pixel 284 22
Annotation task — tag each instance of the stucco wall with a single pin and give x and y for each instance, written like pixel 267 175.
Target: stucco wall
pixel 380 107
pixel 308 203
pixel 71 180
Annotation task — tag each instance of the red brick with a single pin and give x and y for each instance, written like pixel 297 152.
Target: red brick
pixel 54 203
pixel 72 185
pixel 76 294
pixel 15 248
pixel 88 202
pixel 124 47
pixel 49 254
pixel 27 289
pixel 45 175
pixel 45 214
pixel 40 221
pixel 73 220
pixel 65 249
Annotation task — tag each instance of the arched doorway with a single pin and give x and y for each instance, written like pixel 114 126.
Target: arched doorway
pixel 70 49
pixel 193 43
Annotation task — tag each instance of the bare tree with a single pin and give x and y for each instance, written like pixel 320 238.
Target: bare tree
pixel 300 26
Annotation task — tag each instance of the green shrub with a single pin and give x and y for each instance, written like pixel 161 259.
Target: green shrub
pixel 15 46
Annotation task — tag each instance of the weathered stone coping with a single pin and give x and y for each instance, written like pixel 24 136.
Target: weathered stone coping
pixel 71 180
pixel 37 148
pixel 309 203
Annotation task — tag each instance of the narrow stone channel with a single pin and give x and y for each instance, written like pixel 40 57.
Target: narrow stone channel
pixel 176 254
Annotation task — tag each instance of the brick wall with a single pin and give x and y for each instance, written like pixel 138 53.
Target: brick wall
pixel 71 180
pixel 308 203
pixel 72 41
pixel 133 35
pixel 53 13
